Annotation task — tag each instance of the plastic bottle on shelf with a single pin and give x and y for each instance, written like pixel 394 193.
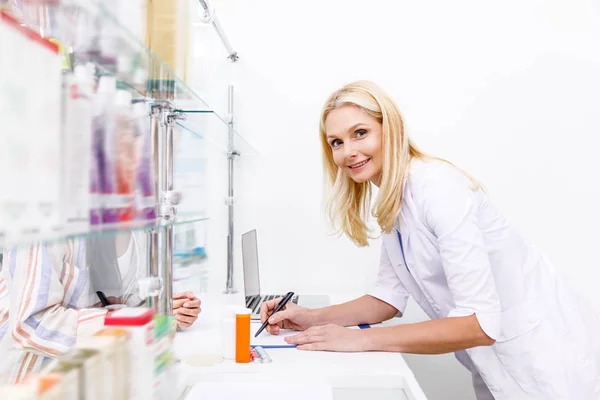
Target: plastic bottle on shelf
pixel 125 155
pixel 102 179
pixel 139 324
pixel 76 149
pixel 146 196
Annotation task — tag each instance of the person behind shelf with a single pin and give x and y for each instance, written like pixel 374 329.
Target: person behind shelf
pixel 48 297
pixel 493 299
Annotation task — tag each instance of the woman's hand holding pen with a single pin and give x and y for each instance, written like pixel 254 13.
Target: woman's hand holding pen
pixel 291 316
pixel 330 338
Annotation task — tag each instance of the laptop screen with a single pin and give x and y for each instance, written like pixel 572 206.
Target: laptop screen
pixel 250 263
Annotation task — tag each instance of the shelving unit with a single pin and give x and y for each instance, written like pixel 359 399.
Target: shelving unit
pixel 102 230
pixel 174 105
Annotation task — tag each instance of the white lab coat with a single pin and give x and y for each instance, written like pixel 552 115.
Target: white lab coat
pixel 459 256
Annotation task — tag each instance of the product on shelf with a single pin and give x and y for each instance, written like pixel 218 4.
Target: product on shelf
pixel 47 386
pixel 130 358
pixel 145 194
pixel 107 350
pixel 121 170
pixel 74 78
pixel 164 334
pixel 139 325
pixel 30 77
pixel 59 125
pixel 18 392
pixel 167 33
pixel 122 361
pixel 81 372
pixel 76 148
pixel 104 130
pixel 126 155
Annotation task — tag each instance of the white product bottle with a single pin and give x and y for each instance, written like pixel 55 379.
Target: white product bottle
pixel 228 332
pixel 101 163
pixel 19 133
pixel 139 324
pixel 77 149
pixel 46 112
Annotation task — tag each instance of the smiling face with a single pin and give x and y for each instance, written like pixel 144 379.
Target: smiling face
pixel 355 141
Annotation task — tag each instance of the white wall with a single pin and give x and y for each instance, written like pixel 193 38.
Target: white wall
pixel 508 90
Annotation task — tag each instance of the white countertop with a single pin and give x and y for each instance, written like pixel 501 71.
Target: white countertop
pixel 351 375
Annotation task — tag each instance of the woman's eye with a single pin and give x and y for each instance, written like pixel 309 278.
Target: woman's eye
pixel 361 133
pixel 336 142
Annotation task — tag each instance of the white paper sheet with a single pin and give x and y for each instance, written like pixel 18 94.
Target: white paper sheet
pixel 259 391
pixel 266 339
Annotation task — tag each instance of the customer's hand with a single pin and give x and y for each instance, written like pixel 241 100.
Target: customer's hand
pixel 291 316
pixel 186 308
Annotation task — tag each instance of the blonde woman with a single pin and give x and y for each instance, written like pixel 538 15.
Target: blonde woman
pixel 493 299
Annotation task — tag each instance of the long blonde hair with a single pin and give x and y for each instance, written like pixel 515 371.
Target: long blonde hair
pixel 348 202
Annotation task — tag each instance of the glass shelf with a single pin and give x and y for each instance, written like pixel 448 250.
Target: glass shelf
pixel 98 230
pixel 215 131
pixel 88 32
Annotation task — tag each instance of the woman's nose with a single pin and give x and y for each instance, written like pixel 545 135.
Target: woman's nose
pixel 349 150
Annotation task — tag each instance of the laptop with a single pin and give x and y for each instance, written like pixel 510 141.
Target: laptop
pixel 254 297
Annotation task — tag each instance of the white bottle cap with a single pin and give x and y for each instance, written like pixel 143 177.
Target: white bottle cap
pixel 243 311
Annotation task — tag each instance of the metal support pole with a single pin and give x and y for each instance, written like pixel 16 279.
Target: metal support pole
pixel 167 213
pixel 229 288
pixel 210 17
pixel 159 256
pixel 152 238
pixel 167 209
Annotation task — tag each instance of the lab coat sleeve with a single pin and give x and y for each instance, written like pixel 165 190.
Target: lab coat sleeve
pixel 389 288
pixel 451 207
pixel 45 282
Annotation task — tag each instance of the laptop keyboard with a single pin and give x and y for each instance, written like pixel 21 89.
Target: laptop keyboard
pixel 254 302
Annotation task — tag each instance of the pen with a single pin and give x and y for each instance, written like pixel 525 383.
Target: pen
pixel 103 299
pixel 281 304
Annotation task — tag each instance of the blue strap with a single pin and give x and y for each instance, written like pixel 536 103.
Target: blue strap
pixel 401 246
pixel 402 250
